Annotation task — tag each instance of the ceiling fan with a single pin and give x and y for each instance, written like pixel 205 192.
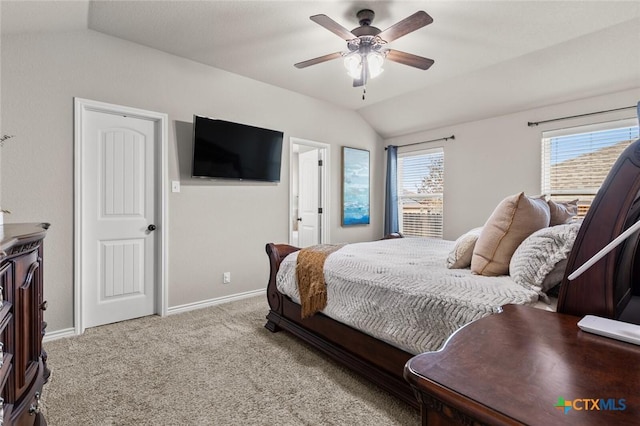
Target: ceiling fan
pixel 366 45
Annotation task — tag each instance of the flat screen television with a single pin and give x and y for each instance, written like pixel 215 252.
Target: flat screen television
pixel 226 150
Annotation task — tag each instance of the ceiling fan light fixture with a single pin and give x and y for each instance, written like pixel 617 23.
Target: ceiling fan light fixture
pixel 366 45
pixel 375 61
pixel 353 64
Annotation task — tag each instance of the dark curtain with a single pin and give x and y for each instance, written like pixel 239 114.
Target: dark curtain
pixel 391 193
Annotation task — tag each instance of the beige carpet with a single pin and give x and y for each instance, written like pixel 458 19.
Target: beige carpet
pixel 213 366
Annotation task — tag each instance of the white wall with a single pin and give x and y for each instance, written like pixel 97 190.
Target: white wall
pixel 216 228
pixel 213 228
pixel 493 158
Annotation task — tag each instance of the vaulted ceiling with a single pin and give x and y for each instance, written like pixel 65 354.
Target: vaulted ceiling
pixel 491 57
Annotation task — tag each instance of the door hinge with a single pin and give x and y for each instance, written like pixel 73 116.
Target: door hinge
pixel 320 210
pixel 320 164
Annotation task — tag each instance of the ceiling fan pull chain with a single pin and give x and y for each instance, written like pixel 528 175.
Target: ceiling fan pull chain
pixel 364 92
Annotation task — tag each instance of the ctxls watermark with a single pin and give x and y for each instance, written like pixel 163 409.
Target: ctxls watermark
pixel 591 404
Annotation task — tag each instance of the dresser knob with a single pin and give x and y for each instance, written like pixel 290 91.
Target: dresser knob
pixel 35 408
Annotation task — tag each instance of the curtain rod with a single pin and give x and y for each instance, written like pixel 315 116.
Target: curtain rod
pixel 432 140
pixel 535 123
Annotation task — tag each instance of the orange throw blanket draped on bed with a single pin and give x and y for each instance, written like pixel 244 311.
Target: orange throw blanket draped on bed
pixel 310 275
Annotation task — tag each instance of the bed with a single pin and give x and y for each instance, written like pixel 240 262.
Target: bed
pixel 400 309
pixel 604 290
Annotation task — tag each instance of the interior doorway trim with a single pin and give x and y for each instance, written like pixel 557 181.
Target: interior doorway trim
pixel 325 171
pixel 161 184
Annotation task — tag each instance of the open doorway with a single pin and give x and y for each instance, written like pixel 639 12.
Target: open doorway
pixel 309 211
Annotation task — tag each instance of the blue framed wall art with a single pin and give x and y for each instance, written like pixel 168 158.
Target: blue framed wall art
pixel 355 186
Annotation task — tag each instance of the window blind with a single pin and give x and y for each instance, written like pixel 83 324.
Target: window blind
pixel 576 161
pixel 420 193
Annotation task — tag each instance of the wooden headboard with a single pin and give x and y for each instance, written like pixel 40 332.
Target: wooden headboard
pixel 606 288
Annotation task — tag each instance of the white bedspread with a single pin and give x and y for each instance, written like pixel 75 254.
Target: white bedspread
pixel 400 291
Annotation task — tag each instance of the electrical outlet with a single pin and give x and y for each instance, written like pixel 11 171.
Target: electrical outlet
pixel 226 278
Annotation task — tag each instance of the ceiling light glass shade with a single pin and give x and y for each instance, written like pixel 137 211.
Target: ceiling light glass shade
pixel 353 64
pixel 375 60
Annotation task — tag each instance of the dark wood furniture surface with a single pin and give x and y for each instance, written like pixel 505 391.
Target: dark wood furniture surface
pixel 511 368
pixel 603 290
pixel 24 370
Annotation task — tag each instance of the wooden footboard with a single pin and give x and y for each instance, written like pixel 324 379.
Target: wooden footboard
pixel 381 363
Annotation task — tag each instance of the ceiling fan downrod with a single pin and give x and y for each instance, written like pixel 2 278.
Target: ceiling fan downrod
pixel 365 17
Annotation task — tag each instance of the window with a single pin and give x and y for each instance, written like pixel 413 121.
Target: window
pixel 420 189
pixel 576 161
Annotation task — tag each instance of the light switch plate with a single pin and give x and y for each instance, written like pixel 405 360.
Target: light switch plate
pixel 175 186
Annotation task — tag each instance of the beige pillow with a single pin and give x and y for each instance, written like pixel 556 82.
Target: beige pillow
pixel 460 256
pixel 562 212
pixel 513 220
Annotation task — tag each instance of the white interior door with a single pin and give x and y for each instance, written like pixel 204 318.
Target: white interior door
pixel 309 186
pixel 118 217
pixel 308 198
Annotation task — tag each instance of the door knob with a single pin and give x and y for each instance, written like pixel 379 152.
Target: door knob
pixel 151 228
pixel 299 219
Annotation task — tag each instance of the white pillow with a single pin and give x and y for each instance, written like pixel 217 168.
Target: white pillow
pixel 539 262
pixel 460 256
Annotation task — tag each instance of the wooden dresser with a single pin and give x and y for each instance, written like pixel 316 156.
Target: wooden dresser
pixel 24 370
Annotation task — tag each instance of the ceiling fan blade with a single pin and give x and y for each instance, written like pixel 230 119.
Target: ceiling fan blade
pixel 407 25
pixel 318 60
pixel 409 59
pixel 332 26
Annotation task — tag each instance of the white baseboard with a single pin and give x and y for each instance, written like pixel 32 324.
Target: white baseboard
pixel 58 334
pixel 212 302
pixel 69 332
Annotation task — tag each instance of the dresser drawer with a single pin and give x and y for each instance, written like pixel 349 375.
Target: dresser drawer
pixel 6 282
pixel 5 370
pixel 6 349
pixel 27 413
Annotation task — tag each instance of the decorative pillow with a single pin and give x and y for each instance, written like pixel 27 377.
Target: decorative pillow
pixel 513 220
pixel 540 261
pixel 562 212
pixel 460 256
